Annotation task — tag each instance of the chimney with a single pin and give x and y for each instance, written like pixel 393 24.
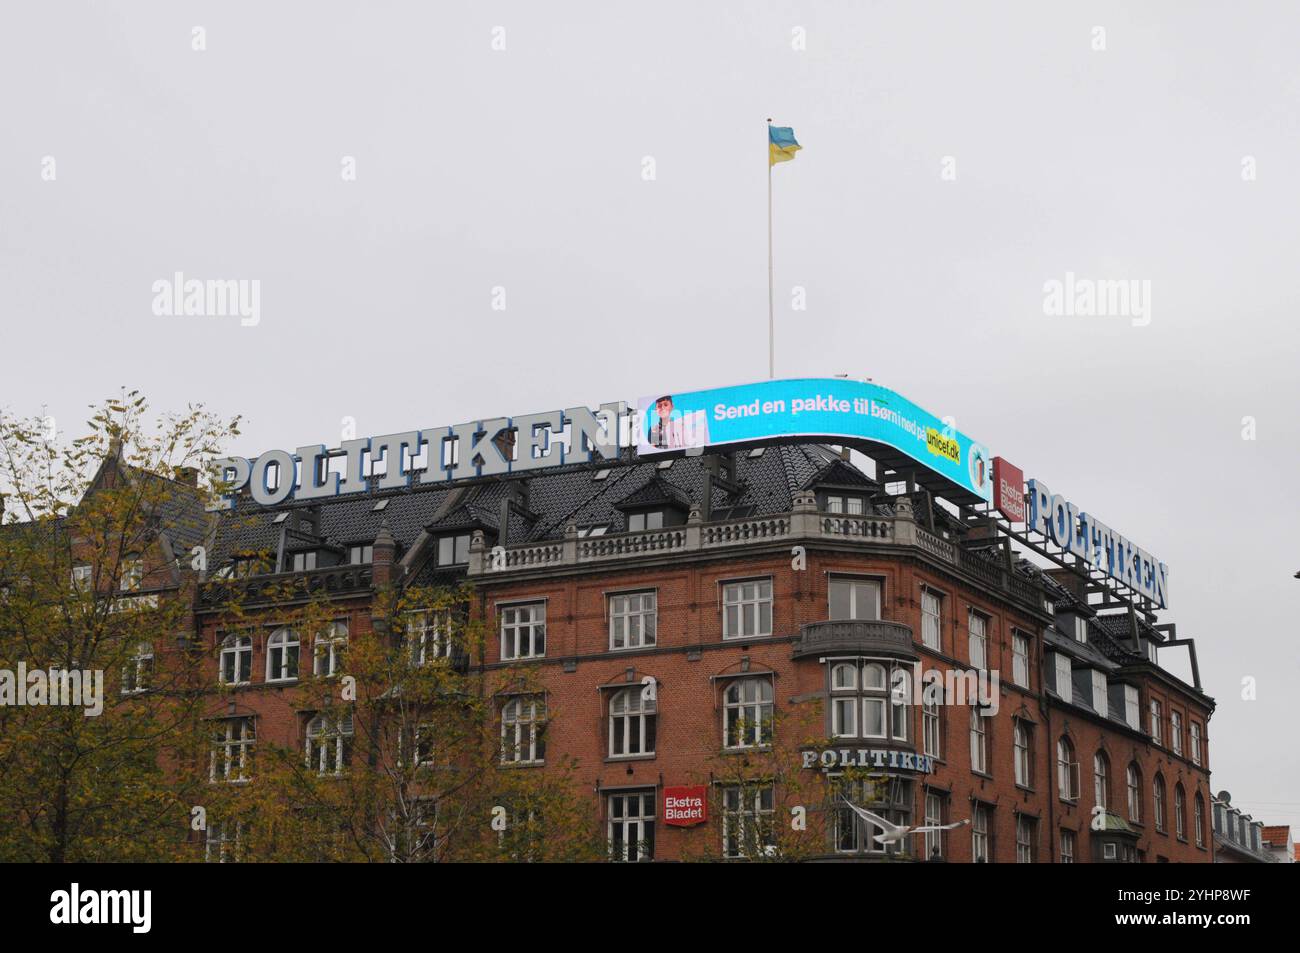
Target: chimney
pixel 383 556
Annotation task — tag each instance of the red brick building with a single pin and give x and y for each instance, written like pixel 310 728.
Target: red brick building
pixel 760 625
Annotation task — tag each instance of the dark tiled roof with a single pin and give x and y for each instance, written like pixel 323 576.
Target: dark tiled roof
pixel 547 500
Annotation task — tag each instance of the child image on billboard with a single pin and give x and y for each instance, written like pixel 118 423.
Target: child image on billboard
pixel 667 427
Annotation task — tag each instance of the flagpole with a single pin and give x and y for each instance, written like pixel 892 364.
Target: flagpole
pixel 771 320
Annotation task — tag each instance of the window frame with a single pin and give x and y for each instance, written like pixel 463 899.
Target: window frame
pixel 334 646
pixel 982 639
pixel 281 640
pixel 625 821
pixel 531 723
pixel 754 734
pixel 235 645
pixel 759 602
pixel 233 748
pixel 511 624
pixel 326 731
pixel 1020 660
pixel 626 614
pixel 636 723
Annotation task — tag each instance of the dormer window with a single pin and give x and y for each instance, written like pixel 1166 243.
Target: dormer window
pixel 304 561
pixel 845 503
pixel 82 577
pixel 361 554
pixel 652 519
pixel 132 574
pixel 454 550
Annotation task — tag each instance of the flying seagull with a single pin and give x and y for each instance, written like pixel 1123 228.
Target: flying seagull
pixel 894 833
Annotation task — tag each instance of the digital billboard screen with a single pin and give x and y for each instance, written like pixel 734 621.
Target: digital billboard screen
pixel 833 409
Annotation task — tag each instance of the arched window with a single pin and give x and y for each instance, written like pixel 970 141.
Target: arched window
pixel 1101 780
pixel 861 702
pixel 329 649
pixel 844 710
pixel 1134 779
pixel 1198 821
pixel 631 723
pixel 747 713
pixel 1180 812
pixel 1158 789
pixel 282 656
pixel 1023 764
pixel 236 660
pixel 1067 770
pixel 329 743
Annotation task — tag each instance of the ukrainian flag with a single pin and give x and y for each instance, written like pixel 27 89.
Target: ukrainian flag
pixel 781 145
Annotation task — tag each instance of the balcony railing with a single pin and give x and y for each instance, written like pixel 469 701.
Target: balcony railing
pixel 855 637
pixel 804 524
pixel 287 586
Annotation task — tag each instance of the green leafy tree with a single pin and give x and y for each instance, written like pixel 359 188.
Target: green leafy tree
pixel 96 569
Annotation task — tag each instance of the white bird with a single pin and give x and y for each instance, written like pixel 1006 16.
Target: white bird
pixel 894 833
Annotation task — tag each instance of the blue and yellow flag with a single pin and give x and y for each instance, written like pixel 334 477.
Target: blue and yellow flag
pixel 781 145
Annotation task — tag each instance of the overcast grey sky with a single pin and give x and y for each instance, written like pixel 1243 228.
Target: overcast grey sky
pixel 523 169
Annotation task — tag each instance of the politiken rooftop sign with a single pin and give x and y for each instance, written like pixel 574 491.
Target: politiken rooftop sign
pixel 837 410
pixel 808 409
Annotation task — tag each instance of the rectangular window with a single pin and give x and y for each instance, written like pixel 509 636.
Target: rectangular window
pixel 632 826
pixel 1195 729
pixel 638 522
pixel 82 577
pixel 232 750
pixel 303 562
pixel 1157 723
pixel 1020 659
pixel 632 620
pixel 1067 847
pixel 852 597
pixel 523 631
pixel 454 550
pixel 138 672
pixel 748 830
pixel 747 609
pixel 222 844
pixel 979 651
pixel 853 833
pixel 931 730
pixel 1080 629
pixel 981 834
pixel 1064 677
pixel 1132 708
pixel 978 742
pixel 1100 693
pixel 132 574
pixel 428 634
pixel 523 730
pixel 360 555
pixel 934 815
pixel 1176 732
pixel 1025 829
pixel 931 620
